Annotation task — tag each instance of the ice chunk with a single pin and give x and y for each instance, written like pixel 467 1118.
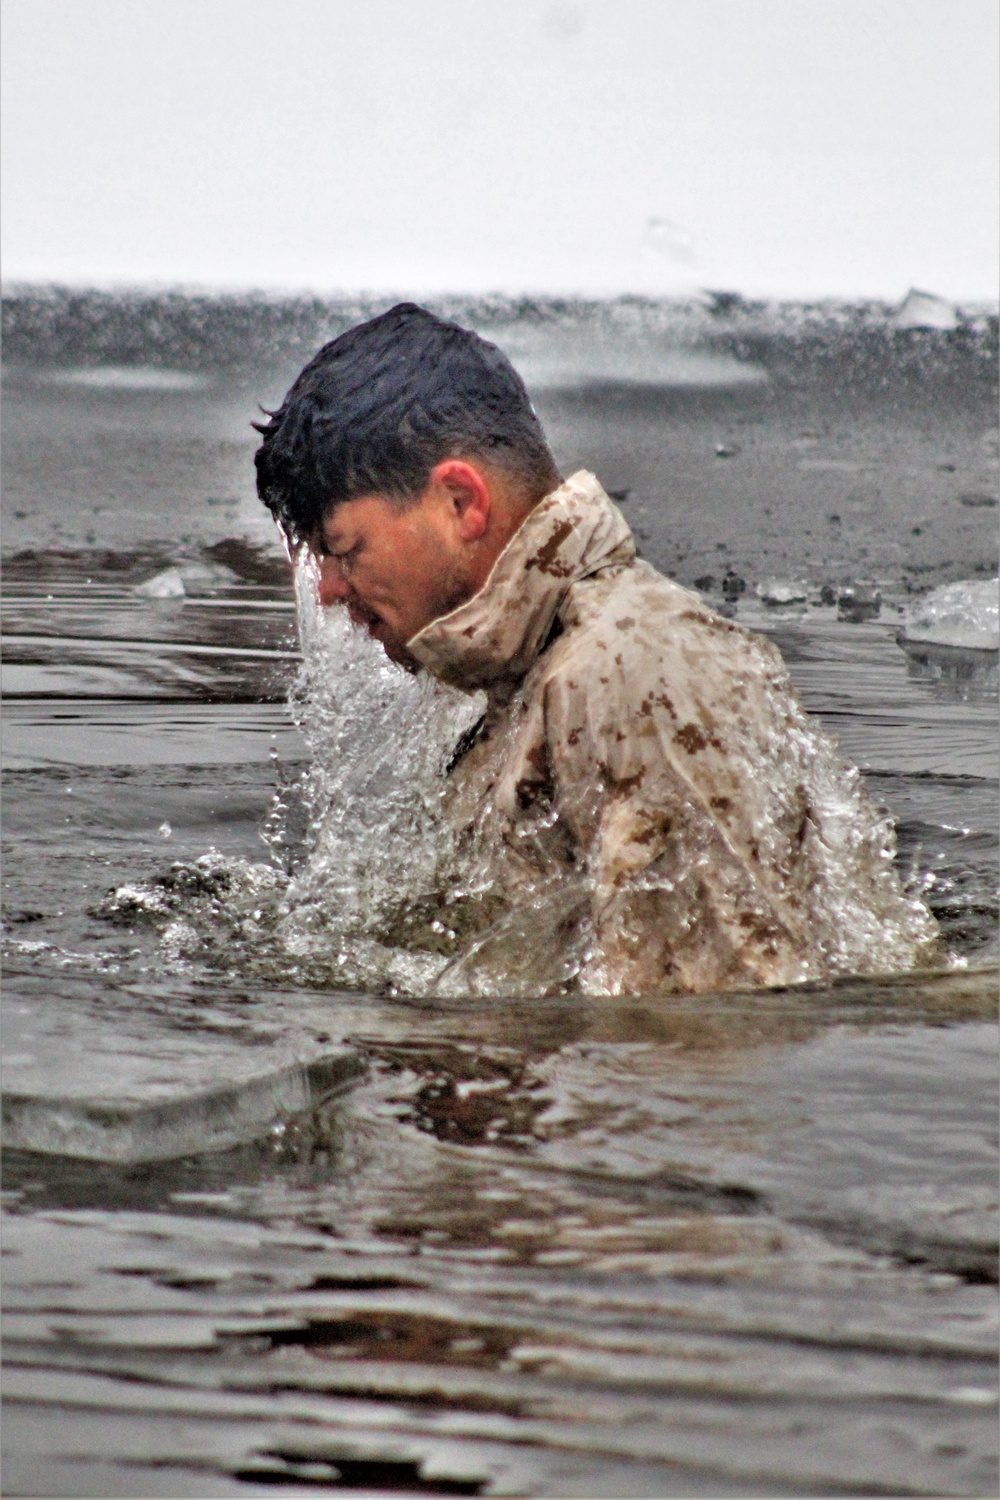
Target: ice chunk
pixel 122 1085
pixel 859 601
pixel 166 585
pixel 783 591
pixel 924 310
pixel 215 1119
pixel 963 614
pixel 205 578
pixel 189 578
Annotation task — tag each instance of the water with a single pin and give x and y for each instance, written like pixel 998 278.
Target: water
pixel 276 1223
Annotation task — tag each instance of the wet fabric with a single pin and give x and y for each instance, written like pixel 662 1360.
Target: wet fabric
pixel 645 765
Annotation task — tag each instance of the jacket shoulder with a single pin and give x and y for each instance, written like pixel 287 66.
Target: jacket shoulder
pixel 625 626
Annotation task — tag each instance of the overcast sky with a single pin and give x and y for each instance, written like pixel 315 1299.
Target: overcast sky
pixel 783 147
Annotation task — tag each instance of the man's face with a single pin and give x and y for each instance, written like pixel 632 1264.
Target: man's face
pixel 394 568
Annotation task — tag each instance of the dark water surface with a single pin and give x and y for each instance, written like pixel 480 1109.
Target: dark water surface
pixel 265 1237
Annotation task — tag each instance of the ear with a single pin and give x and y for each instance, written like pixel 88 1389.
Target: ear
pixel 467 494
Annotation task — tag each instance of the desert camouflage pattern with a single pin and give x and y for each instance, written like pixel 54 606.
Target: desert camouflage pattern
pixel 645 773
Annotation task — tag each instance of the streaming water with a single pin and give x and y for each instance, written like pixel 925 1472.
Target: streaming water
pixel 283 1211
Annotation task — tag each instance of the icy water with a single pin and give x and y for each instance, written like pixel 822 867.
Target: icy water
pixel 267 1233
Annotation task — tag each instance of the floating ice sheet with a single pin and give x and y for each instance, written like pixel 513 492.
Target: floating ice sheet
pixel 106 1088
pixel 965 614
pixel 783 590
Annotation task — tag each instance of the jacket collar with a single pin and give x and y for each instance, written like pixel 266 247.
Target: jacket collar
pixel 492 639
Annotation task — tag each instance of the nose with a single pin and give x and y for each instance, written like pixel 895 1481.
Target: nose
pixel 333 586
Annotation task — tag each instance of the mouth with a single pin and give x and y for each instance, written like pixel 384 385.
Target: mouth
pixel 377 628
pixel 361 615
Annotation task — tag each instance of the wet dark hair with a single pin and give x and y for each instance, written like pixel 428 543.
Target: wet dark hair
pixel 377 408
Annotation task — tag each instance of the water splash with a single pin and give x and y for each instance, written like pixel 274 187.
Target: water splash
pixel 367 900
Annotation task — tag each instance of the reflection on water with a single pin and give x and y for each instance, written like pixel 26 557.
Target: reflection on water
pixel 954 671
pixel 668 1248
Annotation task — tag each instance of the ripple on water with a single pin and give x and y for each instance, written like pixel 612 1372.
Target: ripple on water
pixel 678 1246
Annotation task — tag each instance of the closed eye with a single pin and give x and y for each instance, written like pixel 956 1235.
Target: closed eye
pixel 347 557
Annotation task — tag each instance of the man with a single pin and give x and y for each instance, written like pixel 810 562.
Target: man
pixel 638 752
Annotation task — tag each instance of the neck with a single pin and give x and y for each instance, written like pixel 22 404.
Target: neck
pixel 511 502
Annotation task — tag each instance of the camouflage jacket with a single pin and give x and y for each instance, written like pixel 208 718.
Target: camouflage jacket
pixel 650 756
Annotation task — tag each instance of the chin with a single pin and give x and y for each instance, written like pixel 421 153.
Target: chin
pixel 396 651
pixel 392 645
